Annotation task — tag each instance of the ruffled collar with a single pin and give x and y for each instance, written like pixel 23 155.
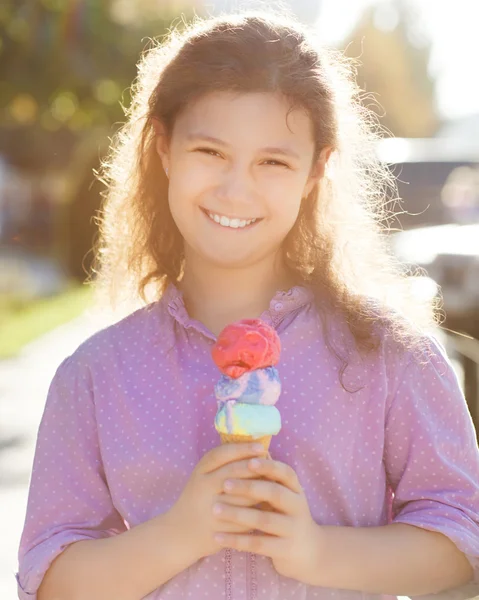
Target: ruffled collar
pixel 282 304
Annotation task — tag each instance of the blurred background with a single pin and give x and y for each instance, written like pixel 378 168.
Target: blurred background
pixel 65 70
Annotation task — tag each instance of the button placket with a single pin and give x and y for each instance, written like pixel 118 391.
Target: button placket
pixel 228 574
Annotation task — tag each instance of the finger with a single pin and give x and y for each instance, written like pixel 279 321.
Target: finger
pixel 277 495
pixel 235 470
pixel 227 527
pixel 226 453
pixel 236 500
pixel 267 545
pixel 276 471
pixel 266 521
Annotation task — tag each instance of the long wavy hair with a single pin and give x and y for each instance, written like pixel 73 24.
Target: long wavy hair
pixel 338 245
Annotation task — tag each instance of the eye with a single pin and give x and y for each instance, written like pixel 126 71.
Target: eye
pixel 207 150
pixel 279 164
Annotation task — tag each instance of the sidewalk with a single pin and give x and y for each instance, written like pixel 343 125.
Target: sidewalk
pixel 24 383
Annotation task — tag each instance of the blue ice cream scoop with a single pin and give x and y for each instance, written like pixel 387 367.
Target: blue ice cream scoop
pixel 261 386
pixel 255 420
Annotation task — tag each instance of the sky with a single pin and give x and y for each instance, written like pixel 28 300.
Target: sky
pixel 453 28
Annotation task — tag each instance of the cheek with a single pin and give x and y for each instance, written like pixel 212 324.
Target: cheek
pixel 286 212
pixel 184 194
pixel 284 197
pixel 183 190
pixel 190 181
pixel 201 171
pixel 174 202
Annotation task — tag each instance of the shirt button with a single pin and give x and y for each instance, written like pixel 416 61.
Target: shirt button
pixel 278 306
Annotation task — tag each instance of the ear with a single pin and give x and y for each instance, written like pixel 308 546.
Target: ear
pixel 317 172
pixel 161 143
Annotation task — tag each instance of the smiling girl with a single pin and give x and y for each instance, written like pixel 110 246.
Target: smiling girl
pixel 244 184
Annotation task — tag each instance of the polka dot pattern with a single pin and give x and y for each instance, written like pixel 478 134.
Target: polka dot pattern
pixel 130 413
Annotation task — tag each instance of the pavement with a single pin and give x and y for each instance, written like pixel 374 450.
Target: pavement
pixel 24 382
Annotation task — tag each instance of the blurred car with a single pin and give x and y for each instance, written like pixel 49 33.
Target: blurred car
pixel 450 255
pixel 427 172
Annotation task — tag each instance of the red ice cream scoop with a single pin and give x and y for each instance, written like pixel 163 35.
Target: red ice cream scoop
pixel 244 346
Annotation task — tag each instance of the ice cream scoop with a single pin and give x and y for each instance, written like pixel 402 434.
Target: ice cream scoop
pixel 246 345
pixel 261 386
pixel 253 421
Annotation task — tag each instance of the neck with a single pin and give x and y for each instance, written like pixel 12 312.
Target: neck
pixel 217 296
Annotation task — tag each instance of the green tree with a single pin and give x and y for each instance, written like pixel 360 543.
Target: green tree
pixel 393 54
pixel 65 67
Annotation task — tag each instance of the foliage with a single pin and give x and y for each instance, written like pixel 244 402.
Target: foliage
pixel 393 55
pixel 65 69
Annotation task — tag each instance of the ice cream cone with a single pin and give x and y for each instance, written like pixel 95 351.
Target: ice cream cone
pixel 246 353
pixel 231 438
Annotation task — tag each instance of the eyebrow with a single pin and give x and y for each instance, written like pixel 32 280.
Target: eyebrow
pixel 285 151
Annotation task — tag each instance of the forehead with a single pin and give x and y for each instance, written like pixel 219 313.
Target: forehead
pixel 251 118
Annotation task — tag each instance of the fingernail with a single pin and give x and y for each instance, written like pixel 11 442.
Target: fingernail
pixel 217 508
pixel 219 537
pixel 254 464
pixel 258 448
pixel 228 485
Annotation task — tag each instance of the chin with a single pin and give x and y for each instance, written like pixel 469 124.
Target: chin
pixel 230 262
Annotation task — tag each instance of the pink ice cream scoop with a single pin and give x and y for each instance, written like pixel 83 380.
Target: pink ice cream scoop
pixel 246 345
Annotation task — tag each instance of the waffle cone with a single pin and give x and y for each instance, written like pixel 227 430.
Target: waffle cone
pixel 231 438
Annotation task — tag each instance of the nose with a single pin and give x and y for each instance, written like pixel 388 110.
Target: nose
pixel 236 192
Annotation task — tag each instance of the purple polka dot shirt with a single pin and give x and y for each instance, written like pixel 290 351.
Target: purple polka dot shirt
pixel 131 412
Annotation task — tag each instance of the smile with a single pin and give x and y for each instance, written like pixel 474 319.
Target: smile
pixel 233 222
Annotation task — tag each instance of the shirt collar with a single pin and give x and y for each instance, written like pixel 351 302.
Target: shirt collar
pixel 282 304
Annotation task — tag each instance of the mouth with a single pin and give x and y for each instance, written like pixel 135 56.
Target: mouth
pixel 236 224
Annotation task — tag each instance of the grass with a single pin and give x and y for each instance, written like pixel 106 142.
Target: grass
pixel 23 321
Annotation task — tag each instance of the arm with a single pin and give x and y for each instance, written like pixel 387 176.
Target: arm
pixel 431 460
pixel 75 544
pixel 127 566
pixel 394 559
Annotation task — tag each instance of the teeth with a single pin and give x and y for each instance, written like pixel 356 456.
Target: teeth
pixel 234 223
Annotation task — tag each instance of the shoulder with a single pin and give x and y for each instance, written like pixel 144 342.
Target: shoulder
pixel 401 347
pixel 422 374
pixel 123 338
pixel 393 336
pixel 418 371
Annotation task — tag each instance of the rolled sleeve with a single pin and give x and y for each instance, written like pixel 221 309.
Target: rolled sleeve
pixel 432 457
pixel 68 498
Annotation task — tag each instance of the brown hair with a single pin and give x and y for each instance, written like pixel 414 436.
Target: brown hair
pixel 338 245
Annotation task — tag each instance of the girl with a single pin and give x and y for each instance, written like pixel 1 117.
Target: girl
pixel 244 184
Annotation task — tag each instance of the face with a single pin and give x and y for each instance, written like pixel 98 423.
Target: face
pixel 237 172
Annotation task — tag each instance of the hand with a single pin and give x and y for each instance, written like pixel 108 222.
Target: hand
pixel 192 515
pixel 292 538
